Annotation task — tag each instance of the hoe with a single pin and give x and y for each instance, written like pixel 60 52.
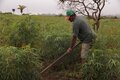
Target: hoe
pixel 59 58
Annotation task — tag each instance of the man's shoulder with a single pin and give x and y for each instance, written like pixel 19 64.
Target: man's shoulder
pixel 79 19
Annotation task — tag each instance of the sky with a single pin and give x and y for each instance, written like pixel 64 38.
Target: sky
pixel 50 6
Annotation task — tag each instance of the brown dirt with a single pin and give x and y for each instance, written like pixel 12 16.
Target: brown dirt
pixel 56 76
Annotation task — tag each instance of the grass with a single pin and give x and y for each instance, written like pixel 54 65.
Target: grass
pixel 50 39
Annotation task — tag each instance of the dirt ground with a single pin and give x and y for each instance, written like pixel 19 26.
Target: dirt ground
pixel 56 76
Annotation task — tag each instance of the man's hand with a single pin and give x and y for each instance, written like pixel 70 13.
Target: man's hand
pixel 69 50
pixel 74 38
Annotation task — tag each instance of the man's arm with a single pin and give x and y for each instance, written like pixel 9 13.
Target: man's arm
pixel 73 41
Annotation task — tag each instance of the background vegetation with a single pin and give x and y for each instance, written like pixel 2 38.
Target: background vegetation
pixel 30 43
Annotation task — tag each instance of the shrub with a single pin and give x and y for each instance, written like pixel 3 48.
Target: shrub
pixel 19 64
pixel 24 34
pixel 102 65
pixel 57 45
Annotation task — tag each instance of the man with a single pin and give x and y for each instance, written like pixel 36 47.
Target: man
pixel 83 32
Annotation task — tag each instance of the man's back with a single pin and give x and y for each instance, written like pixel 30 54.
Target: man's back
pixel 82 30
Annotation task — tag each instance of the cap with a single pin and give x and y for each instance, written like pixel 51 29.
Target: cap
pixel 69 12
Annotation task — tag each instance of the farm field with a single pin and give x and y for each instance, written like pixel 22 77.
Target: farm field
pixel 30 43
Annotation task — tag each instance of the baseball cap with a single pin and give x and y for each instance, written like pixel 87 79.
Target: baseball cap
pixel 69 12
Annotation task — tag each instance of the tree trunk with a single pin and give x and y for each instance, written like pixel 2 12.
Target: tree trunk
pixel 21 11
pixel 96 25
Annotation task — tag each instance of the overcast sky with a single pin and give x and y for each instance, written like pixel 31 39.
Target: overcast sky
pixel 50 6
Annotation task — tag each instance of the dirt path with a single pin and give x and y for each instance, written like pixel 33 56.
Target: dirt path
pixel 56 76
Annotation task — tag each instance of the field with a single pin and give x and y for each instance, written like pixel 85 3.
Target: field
pixel 29 43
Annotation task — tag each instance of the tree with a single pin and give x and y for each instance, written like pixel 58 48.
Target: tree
pixel 90 8
pixel 13 10
pixel 21 8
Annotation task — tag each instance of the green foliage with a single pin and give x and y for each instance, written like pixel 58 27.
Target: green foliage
pixel 57 45
pixel 50 36
pixel 24 34
pixel 19 64
pixel 5 28
pixel 102 65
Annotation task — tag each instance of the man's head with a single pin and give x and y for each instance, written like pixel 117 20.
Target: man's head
pixel 70 15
